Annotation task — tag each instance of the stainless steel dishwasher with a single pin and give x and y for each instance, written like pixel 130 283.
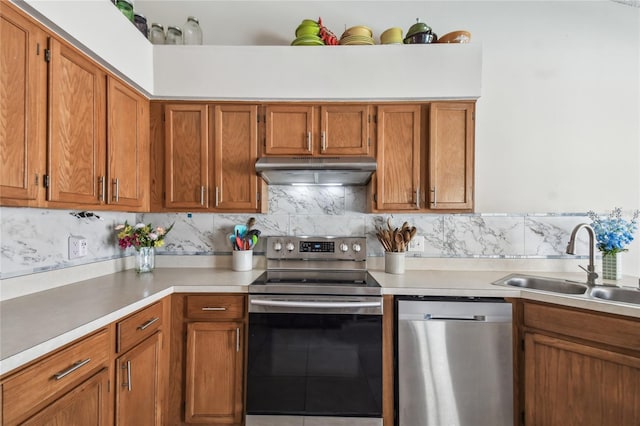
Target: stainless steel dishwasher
pixel 454 362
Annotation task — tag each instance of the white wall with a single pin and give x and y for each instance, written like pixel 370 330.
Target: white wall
pixel 558 121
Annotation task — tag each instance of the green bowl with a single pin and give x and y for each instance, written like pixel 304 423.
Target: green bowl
pixel 304 30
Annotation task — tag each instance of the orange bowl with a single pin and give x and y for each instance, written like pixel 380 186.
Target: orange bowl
pixel 455 37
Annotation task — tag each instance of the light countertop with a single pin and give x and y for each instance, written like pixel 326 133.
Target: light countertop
pixel 35 324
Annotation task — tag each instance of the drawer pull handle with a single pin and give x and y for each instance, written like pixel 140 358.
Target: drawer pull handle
pixel 237 339
pixel 214 308
pixel 148 323
pixel 71 369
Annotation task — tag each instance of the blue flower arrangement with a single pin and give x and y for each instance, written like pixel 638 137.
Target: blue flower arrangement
pixel 613 233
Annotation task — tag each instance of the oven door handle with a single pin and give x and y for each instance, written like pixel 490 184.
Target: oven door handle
pixel 304 304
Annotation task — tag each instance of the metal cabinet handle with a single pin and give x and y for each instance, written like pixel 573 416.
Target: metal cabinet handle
pixel 324 141
pixel 202 195
pixel 418 197
pixel 102 183
pixel 127 384
pixel 309 141
pixel 217 195
pixel 116 191
pixel 214 308
pixel 71 369
pixel 237 339
pixel 148 323
pixel 435 198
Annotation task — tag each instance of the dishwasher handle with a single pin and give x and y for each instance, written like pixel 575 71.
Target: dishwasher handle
pixel 431 317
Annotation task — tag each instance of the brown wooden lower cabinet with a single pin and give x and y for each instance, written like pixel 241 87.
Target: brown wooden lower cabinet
pixel 68 387
pixel 577 367
pixel 86 404
pixel 214 378
pixel 138 381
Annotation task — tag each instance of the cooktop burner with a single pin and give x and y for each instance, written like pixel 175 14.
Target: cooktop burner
pixel 316 265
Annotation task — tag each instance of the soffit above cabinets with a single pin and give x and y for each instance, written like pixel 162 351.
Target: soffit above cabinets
pixel 380 72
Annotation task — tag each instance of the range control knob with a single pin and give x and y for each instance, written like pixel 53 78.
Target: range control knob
pixel 344 247
pixel 277 246
pixel 290 246
pixel 356 247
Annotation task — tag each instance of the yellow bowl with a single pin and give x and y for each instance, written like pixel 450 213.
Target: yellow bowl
pixel 360 30
pixel 455 37
pixel 391 36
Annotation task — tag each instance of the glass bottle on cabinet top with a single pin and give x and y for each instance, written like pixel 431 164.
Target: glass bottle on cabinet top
pixel 192 33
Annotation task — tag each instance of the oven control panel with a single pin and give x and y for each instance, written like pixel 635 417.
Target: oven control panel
pixel 322 248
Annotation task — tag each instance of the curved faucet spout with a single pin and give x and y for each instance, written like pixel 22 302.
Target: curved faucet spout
pixel 571 249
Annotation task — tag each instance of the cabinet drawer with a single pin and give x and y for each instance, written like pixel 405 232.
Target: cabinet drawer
pixel 138 327
pixel 36 385
pixel 214 307
pixel 594 326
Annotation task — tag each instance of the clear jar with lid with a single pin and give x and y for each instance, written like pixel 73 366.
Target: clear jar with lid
pixel 174 35
pixel 126 7
pixel 192 33
pixel 141 23
pixel 156 34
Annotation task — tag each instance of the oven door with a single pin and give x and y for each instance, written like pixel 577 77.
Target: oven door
pixel 315 356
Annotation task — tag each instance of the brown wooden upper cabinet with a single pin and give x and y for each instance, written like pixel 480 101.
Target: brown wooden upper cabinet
pixel 210 154
pixel 71 135
pixel 127 145
pixel 398 156
pixel 77 132
pixel 425 155
pixel 22 107
pixel 332 129
pixel 451 156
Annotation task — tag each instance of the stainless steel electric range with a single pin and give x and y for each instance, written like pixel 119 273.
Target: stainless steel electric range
pixel 315 335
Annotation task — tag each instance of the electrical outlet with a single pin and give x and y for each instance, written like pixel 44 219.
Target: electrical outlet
pixel 78 247
pixel 416 243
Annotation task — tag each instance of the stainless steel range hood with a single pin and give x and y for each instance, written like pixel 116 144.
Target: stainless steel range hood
pixel 316 170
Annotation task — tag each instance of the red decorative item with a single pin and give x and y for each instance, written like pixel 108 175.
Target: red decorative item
pixel 326 35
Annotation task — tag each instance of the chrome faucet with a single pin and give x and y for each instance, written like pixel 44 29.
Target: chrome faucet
pixel 571 249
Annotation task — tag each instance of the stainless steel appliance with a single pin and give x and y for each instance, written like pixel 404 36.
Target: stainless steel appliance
pixel 315 336
pixel 454 362
pixel 316 171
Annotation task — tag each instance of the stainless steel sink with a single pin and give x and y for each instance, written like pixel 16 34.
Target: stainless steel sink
pixel 617 294
pixel 544 284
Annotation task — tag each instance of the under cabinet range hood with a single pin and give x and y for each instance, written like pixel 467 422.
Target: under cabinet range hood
pixel 316 170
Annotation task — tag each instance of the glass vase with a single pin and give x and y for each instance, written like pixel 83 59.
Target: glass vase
pixel 612 266
pixel 145 259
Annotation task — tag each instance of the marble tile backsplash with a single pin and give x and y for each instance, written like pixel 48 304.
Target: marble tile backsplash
pixel 34 240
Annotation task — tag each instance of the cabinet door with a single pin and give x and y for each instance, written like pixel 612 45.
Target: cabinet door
pixel 568 383
pixel 186 156
pixel 451 148
pixel 127 145
pixel 289 129
pixel 398 147
pixel 139 384
pixel 344 130
pixel 76 127
pixel 22 92
pixel 86 404
pixel 235 147
pixel 214 375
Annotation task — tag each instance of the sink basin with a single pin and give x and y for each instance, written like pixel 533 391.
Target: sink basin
pixel 544 284
pixel 617 294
